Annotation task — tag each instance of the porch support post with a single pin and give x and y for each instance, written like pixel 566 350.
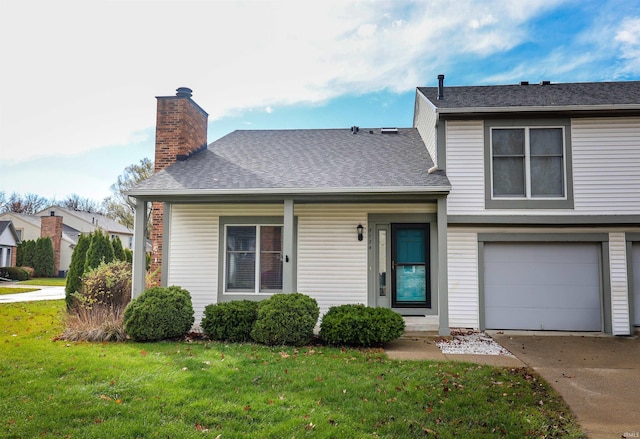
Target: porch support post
pixel 288 263
pixel 139 248
pixel 443 273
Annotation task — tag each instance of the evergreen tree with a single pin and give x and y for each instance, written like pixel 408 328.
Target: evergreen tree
pixel 100 250
pixel 118 250
pixel 43 259
pixel 76 268
pixel 25 253
pixel 20 254
pixel 128 255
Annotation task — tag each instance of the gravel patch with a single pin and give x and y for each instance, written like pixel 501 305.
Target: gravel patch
pixel 476 343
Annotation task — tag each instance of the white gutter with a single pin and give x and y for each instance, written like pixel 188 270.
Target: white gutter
pixel 292 191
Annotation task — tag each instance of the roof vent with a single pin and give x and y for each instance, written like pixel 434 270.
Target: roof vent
pixel 524 82
pixel 440 87
pixel 545 82
pixel 183 92
pixel 388 130
pixel 355 129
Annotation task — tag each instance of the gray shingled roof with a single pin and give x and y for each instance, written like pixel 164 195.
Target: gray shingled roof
pixel 92 218
pixel 586 94
pixel 312 160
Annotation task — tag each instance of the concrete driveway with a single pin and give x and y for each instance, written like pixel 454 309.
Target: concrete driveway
pixel 598 377
pixel 44 293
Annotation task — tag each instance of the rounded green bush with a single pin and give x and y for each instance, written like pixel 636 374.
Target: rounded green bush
pixel 359 325
pixel 232 321
pixel 286 319
pixel 15 273
pixel 159 313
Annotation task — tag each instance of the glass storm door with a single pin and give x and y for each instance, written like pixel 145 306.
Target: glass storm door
pixel 410 266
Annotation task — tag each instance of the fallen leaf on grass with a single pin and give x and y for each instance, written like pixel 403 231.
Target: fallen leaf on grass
pixel 202 428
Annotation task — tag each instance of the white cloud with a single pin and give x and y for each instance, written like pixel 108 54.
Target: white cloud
pixel 629 39
pixel 83 74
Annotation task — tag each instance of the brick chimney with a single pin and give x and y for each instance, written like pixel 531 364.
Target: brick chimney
pixel 51 226
pixel 181 131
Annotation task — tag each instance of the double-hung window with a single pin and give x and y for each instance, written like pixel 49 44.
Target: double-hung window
pixel 253 258
pixel 528 165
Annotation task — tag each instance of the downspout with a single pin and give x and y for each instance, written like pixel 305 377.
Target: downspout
pixel 139 249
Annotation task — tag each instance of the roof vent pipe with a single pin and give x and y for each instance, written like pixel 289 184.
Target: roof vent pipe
pixel 545 82
pixel 440 87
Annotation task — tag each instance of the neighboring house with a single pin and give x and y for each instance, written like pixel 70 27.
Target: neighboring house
pixel 87 222
pixel 534 226
pixel 64 226
pixel 9 241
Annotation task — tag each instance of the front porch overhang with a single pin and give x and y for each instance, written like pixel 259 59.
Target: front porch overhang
pixel 435 196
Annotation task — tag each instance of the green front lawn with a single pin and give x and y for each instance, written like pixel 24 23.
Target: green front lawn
pixel 14 290
pixel 46 281
pixel 208 390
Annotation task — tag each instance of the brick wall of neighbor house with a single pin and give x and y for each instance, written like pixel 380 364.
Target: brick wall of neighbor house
pixel 51 226
pixel 14 252
pixel 181 130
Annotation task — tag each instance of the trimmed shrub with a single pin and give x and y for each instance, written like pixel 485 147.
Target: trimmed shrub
pixel 15 273
pixel 159 314
pixel 232 321
pixel 286 319
pixel 359 325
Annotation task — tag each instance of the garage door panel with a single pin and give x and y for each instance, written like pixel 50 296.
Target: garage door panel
pixel 547 319
pixel 532 296
pixel 552 286
pixel 570 274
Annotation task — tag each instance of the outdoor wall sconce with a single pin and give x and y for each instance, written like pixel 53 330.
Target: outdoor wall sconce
pixel 360 229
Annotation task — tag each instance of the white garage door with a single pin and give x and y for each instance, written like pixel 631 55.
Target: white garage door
pixel 635 255
pixel 542 286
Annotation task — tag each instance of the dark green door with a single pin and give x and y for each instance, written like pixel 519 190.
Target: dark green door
pixel 410 266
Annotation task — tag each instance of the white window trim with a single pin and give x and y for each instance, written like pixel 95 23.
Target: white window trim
pixel 527 163
pixel 257 264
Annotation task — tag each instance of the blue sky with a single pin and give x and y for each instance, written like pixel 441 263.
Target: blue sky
pixel 80 77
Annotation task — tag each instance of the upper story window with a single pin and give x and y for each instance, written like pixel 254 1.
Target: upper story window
pixel 528 164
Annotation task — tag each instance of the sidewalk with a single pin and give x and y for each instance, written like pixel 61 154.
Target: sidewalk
pixel 44 293
pixel 422 346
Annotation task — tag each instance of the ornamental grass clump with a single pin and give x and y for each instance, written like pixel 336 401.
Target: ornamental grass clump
pixel 230 321
pixel 360 326
pixel 286 319
pixel 160 313
pixel 96 311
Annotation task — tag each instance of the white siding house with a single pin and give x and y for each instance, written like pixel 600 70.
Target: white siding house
pixel 503 207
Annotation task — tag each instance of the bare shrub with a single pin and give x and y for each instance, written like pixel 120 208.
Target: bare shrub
pixel 97 310
pixel 97 323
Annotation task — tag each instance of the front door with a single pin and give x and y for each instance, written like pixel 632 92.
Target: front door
pixel 410 266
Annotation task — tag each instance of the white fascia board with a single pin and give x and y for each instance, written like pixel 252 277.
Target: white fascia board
pixel 293 191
